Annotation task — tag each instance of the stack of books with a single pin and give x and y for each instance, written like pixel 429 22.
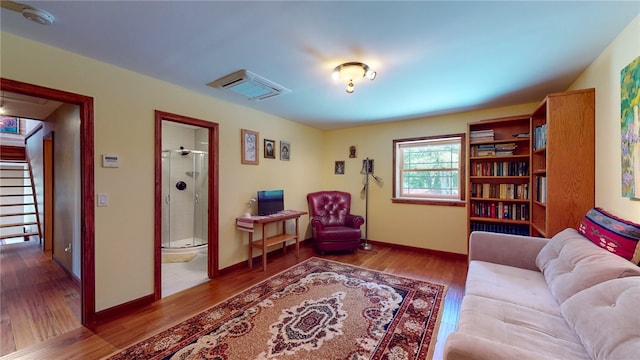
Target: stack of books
pixel 485 150
pixel 505 149
pixel 481 135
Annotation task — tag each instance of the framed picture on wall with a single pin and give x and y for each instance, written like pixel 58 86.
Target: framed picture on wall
pixel 353 152
pixel 339 168
pixel 285 150
pixel 9 125
pixel 269 149
pixel 249 149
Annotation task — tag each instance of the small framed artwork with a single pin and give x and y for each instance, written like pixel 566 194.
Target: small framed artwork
pixel 285 150
pixel 352 152
pixel 269 149
pixel 339 168
pixel 249 147
pixel 9 125
pixel 367 166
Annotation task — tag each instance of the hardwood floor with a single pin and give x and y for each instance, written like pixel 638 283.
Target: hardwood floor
pixel 38 299
pixel 81 343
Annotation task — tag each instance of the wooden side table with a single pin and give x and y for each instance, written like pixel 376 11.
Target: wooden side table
pixel 265 242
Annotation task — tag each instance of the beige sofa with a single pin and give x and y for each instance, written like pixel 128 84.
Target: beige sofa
pixel 532 298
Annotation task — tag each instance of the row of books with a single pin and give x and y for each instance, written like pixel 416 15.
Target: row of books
pixel 500 191
pixel 500 210
pixel 500 168
pixel 481 135
pixel 504 149
pixel 541 185
pixel 540 137
pixel 500 228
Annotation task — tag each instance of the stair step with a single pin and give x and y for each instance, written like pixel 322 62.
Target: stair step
pixel 9 236
pixel 18 204
pixel 19 214
pixel 18 224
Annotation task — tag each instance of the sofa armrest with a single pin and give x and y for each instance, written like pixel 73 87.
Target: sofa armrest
pixel 506 249
pixel 460 346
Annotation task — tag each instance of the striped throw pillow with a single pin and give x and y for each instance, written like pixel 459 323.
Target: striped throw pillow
pixel 616 235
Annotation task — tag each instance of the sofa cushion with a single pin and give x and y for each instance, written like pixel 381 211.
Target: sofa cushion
pixel 570 263
pixel 616 235
pixel 511 285
pixel 606 317
pixel 509 324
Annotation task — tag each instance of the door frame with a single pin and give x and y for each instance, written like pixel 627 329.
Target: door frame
pixel 87 191
pixel 212 228
pixel 48 201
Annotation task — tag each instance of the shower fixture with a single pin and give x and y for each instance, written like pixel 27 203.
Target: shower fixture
pixel 185 152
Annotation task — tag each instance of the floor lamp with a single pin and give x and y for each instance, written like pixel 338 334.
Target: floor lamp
pixel 367 169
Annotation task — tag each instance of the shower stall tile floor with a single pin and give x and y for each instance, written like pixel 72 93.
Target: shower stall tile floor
pixel 180 276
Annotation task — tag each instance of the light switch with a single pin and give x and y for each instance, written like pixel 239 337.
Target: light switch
pixel 103 199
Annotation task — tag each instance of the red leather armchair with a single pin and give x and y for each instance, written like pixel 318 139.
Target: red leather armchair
pixel 334 227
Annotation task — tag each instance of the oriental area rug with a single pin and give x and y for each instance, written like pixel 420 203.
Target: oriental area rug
pixel 318 309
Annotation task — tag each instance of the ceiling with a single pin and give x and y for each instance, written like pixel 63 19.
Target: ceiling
pixel 431 57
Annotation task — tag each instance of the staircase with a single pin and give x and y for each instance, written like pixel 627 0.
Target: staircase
pixel 18 210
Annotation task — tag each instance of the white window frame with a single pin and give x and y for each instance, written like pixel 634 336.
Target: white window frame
pixel 400 196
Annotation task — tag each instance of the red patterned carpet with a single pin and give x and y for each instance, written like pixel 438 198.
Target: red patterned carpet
pixel 318 309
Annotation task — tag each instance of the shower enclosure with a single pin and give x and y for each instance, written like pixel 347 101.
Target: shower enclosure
pixel 185 193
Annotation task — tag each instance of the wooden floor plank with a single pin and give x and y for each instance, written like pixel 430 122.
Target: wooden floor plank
pixel 80 343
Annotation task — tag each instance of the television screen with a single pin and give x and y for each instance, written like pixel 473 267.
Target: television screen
pixel 270 201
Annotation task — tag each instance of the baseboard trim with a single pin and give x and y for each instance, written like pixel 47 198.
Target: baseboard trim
pixel 445 254
pixel 123 309
pixel 257 260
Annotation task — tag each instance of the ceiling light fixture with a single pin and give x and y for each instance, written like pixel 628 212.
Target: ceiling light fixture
pixel 38 16
pixel 352 71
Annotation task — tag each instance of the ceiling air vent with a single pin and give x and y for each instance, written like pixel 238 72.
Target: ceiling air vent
pixel 250 85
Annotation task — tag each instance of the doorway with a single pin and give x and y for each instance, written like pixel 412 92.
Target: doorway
pixel 87 218
pixel 186 202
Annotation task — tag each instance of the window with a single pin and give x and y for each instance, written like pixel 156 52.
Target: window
pixel 429 170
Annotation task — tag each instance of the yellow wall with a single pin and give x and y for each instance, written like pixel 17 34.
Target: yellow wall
pixel 604 75
pixel 124 125
pixel 124 105
pixel 442 228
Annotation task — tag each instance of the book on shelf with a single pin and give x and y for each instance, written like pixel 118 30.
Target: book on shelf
pixel 500 168
pixel 500 191
pixel 500 210
pixel 481 135
pixel 522 135
pixel 540 137
pixel 541 185
pixel 500 228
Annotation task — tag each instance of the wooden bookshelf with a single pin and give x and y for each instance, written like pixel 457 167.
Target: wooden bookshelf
pixel 563 161
pixel 546 182
pixel 499 182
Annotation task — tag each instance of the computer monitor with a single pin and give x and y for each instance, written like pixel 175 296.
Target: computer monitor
pixel 270 201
